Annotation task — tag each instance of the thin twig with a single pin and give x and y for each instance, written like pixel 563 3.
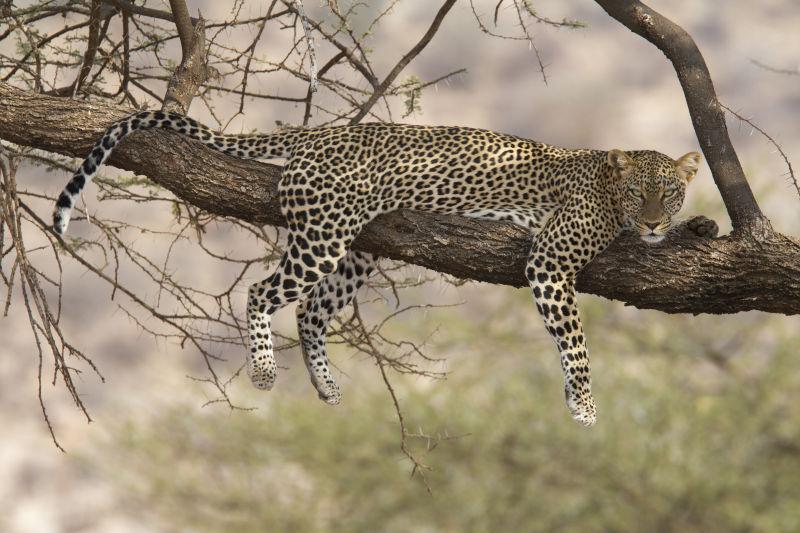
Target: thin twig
pixel 770 139
pixel 405 60
pixel 312 54
pixel 776 70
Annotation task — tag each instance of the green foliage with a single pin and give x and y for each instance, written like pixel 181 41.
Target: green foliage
pixel 687 440
pixel 411 88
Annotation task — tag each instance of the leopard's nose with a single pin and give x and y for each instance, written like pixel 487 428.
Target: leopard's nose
pixel 652 225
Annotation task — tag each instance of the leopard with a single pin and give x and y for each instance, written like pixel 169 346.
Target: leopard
pixel 337 178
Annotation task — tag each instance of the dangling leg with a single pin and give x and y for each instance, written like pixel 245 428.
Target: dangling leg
pixel 314 314
pixel 324 216
pixel 290 281
pixel 307 260
pixel 559 252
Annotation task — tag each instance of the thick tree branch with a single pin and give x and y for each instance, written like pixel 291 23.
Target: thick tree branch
pixel 192 73
pixel 707 115
pixel 183 22
pixel 686 274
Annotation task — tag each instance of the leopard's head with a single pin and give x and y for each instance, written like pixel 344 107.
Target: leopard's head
pixel 651 188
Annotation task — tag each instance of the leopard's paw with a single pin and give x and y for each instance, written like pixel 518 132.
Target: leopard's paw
pixel 262 370
pixel 319 372
pixel 581 407
pixel 703 227
pixel 330 393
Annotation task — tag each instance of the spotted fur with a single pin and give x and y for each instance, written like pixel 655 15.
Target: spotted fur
pixel 337 179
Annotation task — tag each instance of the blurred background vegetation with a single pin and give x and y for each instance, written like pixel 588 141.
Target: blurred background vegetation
pixel 698 431
pixel 698 419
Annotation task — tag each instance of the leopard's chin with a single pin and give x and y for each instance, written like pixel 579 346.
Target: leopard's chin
pixel 652 238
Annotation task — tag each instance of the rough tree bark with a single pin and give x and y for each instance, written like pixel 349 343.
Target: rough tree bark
pixel 192 73
pixel 754 268
pixel 687 274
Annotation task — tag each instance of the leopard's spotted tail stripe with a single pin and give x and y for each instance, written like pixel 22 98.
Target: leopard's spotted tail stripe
pixel 244 146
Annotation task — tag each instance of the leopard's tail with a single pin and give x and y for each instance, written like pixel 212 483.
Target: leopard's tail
pixel 245 146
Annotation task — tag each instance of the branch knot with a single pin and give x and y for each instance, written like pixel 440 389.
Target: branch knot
pixel 645 20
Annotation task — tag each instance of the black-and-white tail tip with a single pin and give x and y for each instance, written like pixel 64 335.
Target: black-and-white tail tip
pixel 244 146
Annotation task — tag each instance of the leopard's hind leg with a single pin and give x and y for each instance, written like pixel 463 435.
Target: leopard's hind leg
pixel 299 270
pixel 314 314
pixel 321 228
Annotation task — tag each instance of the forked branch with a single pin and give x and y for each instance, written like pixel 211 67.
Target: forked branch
pixel 192 73
pixel 707 115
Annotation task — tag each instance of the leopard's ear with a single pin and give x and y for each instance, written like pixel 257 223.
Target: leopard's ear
pixel 620 161
pixel 687 165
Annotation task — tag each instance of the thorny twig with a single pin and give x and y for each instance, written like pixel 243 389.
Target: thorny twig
pixel 44 321
pixel 418 467
pixel 405 60
pixel 770 139
pixel 522 9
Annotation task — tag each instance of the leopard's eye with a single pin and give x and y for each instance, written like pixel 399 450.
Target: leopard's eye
pixel 669 193
pixel 635 191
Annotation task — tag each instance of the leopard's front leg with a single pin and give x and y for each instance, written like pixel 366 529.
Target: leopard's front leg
pixel 555 300
pixel 572 238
